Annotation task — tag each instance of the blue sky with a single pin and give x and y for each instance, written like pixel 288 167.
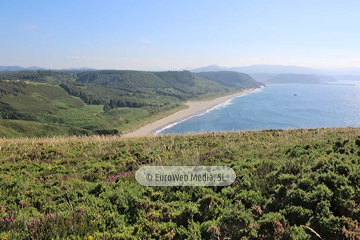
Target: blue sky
pixel 172 34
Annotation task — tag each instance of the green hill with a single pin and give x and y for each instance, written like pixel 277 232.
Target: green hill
pixel 100 102
pixel 41 106
pixel 290 185
pixel 231 79
pixel 122 79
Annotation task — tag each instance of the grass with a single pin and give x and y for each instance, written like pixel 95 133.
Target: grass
pixel 48 110
pixel 51 111
pixel 290 184
pixel 212 95
pixel 149 119
pixel 49 107
pixel 43 100
pixel 21 128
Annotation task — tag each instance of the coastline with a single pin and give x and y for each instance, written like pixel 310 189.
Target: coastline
pixel 194 107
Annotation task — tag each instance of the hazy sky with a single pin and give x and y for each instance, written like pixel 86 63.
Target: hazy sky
pixel 172 34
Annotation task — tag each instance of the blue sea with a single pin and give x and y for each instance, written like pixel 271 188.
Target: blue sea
pixel 279 107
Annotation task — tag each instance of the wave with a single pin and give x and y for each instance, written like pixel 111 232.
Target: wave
pixel 216 107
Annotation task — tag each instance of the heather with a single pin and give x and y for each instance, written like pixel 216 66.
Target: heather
pixel 293 184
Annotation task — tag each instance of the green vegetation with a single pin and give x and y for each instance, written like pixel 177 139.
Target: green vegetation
pixel 297 78
pixel 42 76
pixel 101 102
pixel 12 87
pixel 294 184
pixel 231 79
pixel 21 128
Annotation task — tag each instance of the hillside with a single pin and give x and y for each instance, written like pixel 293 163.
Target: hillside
pixel 231 79
pixel 100 102
pixel 261 77
pixel 295 78
pixel 290 185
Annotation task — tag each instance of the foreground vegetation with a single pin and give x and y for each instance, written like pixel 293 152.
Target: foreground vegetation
pixel 49 103
pixel 296 184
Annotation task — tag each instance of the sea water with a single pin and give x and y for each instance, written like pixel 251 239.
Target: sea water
pixel 279 107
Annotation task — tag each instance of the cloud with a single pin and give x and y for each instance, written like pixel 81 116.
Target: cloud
pixel 145 41
pixel 32 26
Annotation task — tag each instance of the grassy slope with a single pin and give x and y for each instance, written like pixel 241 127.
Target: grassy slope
pixel 52 111
pixel 231 79
pixel 21 128
pixel 287 183
pixel 47 106
pixel 151 118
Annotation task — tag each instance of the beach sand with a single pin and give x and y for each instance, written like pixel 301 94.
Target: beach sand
pixel 194 107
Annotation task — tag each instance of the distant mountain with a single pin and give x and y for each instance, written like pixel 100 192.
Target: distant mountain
pixel 275 69
pixel 17 68
pixel 11 68
pixel 261 77
pixel 210 68
pixel 79 69
pixel 34 68
pixel 326 78
pixel 295 78
pixel 271 69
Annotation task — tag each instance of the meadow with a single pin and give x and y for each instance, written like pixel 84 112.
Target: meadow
pixel 293 184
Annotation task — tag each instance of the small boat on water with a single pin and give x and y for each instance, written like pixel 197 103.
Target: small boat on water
pixel 295 95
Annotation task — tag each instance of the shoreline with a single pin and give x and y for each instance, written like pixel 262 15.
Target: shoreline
pixel 194 107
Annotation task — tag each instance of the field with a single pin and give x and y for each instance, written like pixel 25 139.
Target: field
pixel 295 184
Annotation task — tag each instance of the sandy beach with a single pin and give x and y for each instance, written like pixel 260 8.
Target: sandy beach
pixel 194 107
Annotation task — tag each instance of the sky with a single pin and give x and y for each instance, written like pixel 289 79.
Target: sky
pixel 173 34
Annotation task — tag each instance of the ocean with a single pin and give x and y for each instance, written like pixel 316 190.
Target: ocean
pixel 279 107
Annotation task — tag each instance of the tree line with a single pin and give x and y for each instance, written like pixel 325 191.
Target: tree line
pixel 77 90
pixel 12 87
